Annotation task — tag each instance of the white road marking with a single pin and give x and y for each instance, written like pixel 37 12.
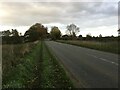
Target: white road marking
pixel 92 55
pixel 108 61
pixel 103 59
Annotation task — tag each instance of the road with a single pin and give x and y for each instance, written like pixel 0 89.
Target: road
pixel 92 68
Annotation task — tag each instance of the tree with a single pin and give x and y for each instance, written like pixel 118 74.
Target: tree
pixel 55 33
pixel 65 37
pixel 80 36
pixel 35 32
pixel 15 32
pixel 72 30
pixel 100 36
pixel 88 36
pixel 6 33
pixel 11 37
pixel 119 32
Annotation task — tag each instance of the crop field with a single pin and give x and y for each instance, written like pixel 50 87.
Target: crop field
pixel 111 46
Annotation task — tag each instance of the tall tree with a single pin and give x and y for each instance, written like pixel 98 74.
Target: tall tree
pixel 55 33
pixel 35 32
pixel 72 30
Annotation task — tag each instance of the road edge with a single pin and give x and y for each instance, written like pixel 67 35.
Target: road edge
pixel 74 80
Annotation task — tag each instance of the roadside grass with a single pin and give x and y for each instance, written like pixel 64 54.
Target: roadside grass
pixel 37 69
pixel 23 74
pixel 53 75
pixel 102 46
pixel 12 54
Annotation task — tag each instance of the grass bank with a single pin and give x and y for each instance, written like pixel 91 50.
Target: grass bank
pixel 23 74
pixel 53 75
pixel 37 69
pixel 12 54
pixel 111 47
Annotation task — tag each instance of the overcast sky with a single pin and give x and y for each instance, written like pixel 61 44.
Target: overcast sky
pixel 91 17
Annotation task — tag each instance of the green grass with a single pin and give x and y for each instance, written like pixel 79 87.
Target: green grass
pixel 111 47
pixel 53 75
pixel 23 74
pixel 12 54
pixel 37 69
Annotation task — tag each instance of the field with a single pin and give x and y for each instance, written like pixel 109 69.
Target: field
pixel 109 46
pixel 32 65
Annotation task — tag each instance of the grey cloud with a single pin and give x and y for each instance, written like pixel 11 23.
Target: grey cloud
pixel 81 13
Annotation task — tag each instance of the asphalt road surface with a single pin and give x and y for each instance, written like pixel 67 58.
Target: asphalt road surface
pixel 92 68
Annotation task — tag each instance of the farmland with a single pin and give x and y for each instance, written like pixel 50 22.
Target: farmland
pixel 109 46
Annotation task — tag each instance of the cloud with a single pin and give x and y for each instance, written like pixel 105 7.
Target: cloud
pixel 84 14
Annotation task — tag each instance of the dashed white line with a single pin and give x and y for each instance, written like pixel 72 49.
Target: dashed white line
pixel 108 61
pixel 92 55
pixel 103 59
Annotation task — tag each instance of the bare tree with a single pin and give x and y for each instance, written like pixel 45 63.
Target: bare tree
pixel 72 29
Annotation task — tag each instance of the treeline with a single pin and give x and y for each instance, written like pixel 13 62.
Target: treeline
pixel 40 32
pixel 35 32
pixel 90 38
pixel 11 37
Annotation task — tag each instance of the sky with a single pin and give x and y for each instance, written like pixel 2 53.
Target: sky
pixel 93 17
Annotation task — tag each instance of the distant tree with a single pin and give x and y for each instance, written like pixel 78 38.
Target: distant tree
pixel 88 36
pixel 65 37
pixel 55 33
pixel 11 37
pixel 100 36
pixel 80 36
pixel 112 36
pixel 6 33
pixel 15 37
pixel 35 32
pixel 119 32
pixel 20 34
pixel 72 30
pixel 15 32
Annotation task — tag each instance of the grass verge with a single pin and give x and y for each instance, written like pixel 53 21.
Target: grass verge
pixel 53 75
pixel 38 69
pixel 24 74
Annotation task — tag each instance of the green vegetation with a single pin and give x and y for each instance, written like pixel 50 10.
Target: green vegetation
pixel 31 65
pixel 55 33
pixel 11 37
pixel 35 32
pixel 111 46
pixel 36 69
pixel 12 56
pixel 53 75
pixel 22 74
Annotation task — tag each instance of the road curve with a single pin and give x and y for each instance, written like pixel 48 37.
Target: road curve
pixel 93 68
